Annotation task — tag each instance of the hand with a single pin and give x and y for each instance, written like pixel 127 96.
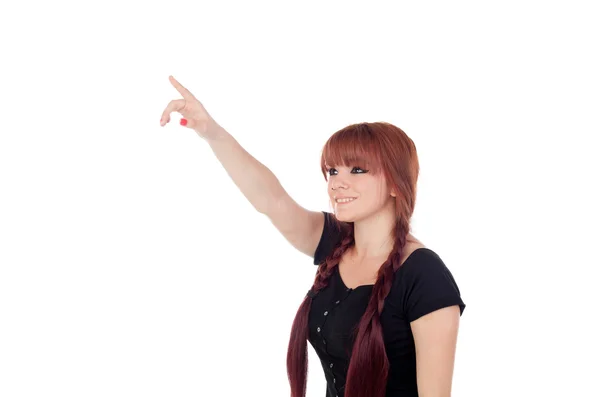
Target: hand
pixel 195 115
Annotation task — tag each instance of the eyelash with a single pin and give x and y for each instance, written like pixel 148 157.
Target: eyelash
pixel 363 171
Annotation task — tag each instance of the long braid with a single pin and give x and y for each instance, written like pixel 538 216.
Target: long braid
pixel 369 365
pixel 326 269
pixel 297 357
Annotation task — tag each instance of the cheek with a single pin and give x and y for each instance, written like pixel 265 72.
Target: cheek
pixel 379 193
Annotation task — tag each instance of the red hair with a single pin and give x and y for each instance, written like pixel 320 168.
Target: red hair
pixel 377 147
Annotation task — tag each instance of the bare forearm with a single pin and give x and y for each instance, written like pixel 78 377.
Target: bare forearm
pixel 256 182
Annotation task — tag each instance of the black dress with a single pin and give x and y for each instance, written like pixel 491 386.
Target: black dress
pixel 421 285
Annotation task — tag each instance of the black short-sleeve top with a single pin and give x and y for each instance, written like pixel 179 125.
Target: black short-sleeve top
pixel 421 285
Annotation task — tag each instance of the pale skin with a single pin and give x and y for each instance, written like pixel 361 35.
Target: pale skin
pixel 435 334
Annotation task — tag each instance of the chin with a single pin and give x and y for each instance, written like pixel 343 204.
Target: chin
pixel 341 216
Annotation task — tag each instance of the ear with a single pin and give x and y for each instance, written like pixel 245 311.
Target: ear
pixel 393 194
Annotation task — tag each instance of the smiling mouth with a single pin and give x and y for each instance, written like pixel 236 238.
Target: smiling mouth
pixel 345 201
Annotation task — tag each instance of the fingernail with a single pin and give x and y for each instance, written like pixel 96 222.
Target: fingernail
pixel 183 122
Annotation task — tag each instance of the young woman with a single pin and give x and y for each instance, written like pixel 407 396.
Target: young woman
pixel 383 312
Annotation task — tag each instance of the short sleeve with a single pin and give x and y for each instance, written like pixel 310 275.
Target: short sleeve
pixel 330 236
pixel 428 285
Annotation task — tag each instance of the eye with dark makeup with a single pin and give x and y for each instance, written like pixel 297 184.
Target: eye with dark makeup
pixel 355 168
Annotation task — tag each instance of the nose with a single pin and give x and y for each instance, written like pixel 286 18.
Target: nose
pixel 338 183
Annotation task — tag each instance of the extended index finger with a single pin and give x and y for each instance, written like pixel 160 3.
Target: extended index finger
pixel 182 90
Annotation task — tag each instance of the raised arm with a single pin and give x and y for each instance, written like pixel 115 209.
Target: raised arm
pixel 301 228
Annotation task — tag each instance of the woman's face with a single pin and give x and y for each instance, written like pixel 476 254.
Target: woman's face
pixel 370 192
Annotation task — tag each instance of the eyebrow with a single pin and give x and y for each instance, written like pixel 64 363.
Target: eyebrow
pixel 329 166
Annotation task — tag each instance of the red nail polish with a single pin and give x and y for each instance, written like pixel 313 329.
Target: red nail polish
pixel 183 122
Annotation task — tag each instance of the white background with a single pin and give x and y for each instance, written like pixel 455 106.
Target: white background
pixel 131 265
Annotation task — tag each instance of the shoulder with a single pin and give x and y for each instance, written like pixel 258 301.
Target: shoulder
pixel 424 266
pixel 424 283
pixel 420 259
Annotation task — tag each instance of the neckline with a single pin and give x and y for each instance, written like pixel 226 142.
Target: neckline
pixel 339 275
